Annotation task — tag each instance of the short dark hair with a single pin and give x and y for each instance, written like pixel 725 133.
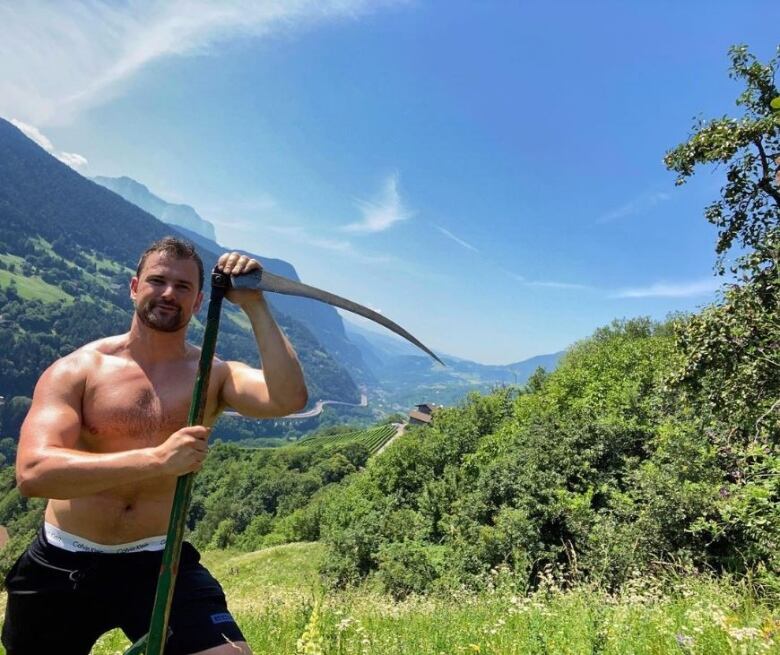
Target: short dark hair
pixel 178 248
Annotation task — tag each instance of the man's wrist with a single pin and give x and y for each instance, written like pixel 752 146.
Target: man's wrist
pixel 154 458
pixel 257 302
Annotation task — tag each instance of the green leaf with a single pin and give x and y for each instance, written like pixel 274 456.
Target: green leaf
pixel 775 104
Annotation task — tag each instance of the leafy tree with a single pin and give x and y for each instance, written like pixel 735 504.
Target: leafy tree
pixel 749 146
pixel 14 412
pixel 536 381
pixel 730 370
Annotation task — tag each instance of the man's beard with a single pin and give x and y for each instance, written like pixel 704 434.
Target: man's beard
pixel 161 321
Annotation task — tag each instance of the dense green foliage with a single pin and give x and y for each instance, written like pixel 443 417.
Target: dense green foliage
pixel 249 498
pixel 21 516
pixel 591 470
pixel 730 369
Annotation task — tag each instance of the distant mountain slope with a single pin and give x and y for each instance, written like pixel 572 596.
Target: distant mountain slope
pixel 67 249
pixel 324 322
pixel 179 215
pixel 405 378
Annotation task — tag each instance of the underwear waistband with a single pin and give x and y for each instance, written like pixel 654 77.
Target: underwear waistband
pixel 66 541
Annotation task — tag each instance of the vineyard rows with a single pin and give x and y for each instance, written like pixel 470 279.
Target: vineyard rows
pixel 373 438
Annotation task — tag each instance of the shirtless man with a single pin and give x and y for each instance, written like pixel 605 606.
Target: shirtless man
pixel 105 441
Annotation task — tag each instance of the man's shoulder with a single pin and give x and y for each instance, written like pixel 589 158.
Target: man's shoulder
pixel 89 356
pixel 106 346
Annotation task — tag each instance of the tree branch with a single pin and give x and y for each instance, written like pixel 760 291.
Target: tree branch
pixel 767 359
pixel 764 415
pixel 765 183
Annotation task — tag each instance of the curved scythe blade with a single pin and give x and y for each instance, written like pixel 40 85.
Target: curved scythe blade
pixel 266 281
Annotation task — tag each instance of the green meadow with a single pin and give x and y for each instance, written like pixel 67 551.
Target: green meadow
pixel 29 287
pixel 278 600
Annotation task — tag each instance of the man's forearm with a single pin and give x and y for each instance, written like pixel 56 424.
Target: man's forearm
pixel 281 368
pixel 63 473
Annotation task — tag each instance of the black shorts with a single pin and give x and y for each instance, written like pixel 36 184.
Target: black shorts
pixel 61 602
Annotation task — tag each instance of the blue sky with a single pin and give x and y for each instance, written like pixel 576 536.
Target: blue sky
pixel 487 174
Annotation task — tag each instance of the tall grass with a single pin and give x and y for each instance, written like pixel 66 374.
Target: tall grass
pixel 276 596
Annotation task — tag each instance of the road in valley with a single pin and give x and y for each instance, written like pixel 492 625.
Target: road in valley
pixel 314 411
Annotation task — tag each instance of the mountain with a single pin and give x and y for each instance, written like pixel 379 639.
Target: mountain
pixel 179 215
pixel 392 368
pixel 405 378
pixel 324 322
pixel 68 247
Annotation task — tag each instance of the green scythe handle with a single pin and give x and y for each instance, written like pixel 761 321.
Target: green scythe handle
pixel 154 642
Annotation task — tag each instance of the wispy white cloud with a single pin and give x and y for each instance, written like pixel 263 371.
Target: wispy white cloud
pixel 242 214
pixel 672 289
pixel 304 236
pixel 639 205
pixel 261 203
pixel 300 235
pixel 550 284
pixel 72 159
pixel 382 212
pixel 690 289
pixel 450 235
pixel 32 132
pixel 241 224
pixel 59 58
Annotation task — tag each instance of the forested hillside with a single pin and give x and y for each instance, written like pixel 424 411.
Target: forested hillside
pixel 67 250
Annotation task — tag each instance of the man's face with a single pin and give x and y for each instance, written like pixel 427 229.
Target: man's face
pixel 166 292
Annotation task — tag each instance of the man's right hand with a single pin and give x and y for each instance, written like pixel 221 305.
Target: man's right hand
pixel 184 451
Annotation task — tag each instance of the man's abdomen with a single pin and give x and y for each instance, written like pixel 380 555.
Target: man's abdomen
pixel 117 516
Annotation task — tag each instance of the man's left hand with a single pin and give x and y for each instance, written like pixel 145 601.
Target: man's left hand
pixel 234 263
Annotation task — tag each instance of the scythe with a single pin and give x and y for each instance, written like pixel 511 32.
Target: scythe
pixel 153 643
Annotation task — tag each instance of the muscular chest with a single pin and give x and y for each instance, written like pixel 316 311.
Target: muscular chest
pixel 129 408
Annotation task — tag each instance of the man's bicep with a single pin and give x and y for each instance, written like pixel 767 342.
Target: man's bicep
pixel 245 390
pixel 54 418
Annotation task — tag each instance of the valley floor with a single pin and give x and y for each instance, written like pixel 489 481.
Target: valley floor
pixel 277 598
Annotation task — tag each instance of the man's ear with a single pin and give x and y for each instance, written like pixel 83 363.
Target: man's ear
pixel 133 287
pixel 198 302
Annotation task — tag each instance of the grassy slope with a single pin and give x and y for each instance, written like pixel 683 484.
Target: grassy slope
pixel 30 288
pixel 272 593
pixel 34 288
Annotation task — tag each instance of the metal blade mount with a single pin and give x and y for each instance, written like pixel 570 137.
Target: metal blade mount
pixel 265 281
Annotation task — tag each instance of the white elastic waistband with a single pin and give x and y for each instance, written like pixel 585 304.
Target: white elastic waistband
pixel 76 544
